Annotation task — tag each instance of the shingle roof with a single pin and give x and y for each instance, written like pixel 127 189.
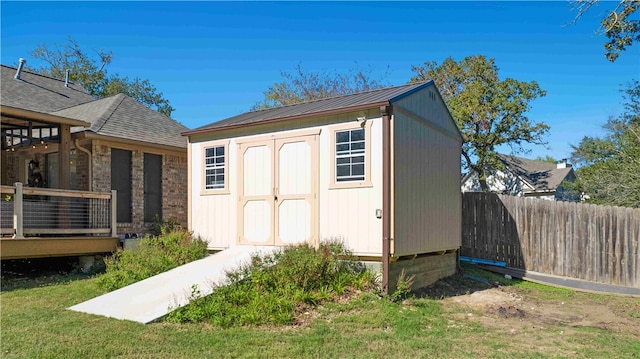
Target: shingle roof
pixel 318 106
pixel 37 92
pixel 540 174
pixel 123 117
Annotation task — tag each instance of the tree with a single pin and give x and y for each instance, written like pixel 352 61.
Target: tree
pixel 489 111
pixel 609 171
pixel 91 73
pixel 618 26
pixel 547 159
pixel 301 86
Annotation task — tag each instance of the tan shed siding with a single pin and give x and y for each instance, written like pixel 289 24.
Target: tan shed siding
pixel 213 217
pixel 349 214
pixel 427 195
pixel 346 213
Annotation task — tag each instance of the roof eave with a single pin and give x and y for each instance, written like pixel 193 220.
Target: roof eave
pixel 90 135
pixel 367 106
pixel 22 114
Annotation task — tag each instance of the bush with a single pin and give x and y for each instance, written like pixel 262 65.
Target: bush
pixel 153 256
pixel 272 289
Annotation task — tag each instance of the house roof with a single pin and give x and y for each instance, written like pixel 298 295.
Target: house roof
pixel 540 175
pixel 123 117
pixel 343 103
pixel 116 116
pixel 38 92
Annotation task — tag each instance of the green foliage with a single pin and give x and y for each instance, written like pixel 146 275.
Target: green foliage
pixel 300 86
pixel 403 287
pixel 620 25
pixel 155 254
pixel 547 159
pixel 609 170
pixel 91 72
pixel 273 288
pixel 489 112
pixel 163 226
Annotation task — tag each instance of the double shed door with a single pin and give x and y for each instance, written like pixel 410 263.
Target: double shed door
pixel 278 191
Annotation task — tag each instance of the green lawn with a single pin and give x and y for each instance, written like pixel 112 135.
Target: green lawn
pixel 35 324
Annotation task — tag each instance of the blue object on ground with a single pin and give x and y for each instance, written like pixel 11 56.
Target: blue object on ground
pixel 483 261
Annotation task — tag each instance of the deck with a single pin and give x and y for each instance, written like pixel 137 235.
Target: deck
pixel 44 222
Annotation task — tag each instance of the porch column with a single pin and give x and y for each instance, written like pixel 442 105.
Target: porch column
pixel 64 156
pixel 64 175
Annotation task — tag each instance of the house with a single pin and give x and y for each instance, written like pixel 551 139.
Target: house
pixel 526 178
pixel 56 136
pixel 377 170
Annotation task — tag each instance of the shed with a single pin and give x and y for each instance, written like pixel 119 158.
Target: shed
pixel 378 170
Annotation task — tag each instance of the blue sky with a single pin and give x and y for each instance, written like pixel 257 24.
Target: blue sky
pixel 213 60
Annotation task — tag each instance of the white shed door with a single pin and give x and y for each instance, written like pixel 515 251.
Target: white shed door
pixel 278 191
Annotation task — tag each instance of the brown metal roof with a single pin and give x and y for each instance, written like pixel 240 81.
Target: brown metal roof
pixel 351 102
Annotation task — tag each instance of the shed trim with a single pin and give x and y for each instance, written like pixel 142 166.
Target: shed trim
pixel 333 184
pixel 413 116
pixel 386 195
pixel 289 118
pixel 279 136
pixel 219 191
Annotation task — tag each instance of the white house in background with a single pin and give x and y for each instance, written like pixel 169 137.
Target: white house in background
pixel 377 170
pixel 526 178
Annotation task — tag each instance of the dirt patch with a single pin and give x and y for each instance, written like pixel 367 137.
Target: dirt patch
pixel 516 310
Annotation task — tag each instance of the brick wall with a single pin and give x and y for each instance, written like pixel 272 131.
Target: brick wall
pixel 82 170
pixel 11 167
pixel 174 185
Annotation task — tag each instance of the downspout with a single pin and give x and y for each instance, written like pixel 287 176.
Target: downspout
pixel 89 162
pixel 386 195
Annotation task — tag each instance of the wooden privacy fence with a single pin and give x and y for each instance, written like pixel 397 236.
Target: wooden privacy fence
pixel 595 243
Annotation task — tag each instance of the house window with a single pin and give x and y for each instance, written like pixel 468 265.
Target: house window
pixel 351 155
pixel 215 168
pixel 121 182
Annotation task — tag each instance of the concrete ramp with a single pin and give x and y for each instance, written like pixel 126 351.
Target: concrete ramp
pixel 150 299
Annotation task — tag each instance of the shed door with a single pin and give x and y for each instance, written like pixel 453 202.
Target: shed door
pixel 278 200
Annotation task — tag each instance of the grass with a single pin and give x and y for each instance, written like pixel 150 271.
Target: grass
pixel 35 324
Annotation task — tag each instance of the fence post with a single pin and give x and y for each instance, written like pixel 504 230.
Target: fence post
pixel 18 212
pixel 114 214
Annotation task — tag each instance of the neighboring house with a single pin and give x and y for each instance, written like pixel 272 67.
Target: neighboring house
pixel 378 170
pixel 526 178
pixel 110 143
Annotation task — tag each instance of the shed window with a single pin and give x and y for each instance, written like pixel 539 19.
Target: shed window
pixel 351 144
pixel 214 167
pixel 350 154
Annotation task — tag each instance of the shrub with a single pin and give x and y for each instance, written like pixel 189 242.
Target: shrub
pixel 271 289
pixel 163 226
pixel 153 256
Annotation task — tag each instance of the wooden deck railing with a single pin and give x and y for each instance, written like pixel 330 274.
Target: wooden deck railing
pixel 28 211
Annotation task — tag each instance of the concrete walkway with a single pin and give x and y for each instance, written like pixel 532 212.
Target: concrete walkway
pixel 151 299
